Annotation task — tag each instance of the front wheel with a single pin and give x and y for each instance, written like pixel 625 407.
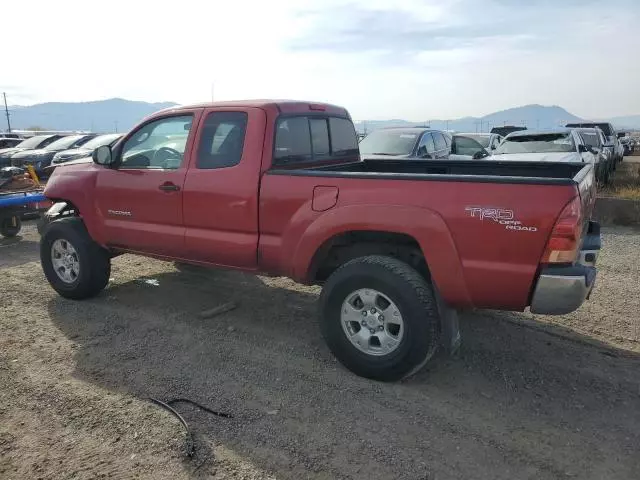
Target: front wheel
pixel 75 266
pixel 10 226
pixel 380 318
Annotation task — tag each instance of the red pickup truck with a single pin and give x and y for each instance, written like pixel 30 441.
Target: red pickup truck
pixel 279 188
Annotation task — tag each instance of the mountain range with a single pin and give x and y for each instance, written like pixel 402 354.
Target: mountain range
pixel 535 117
pixel 117 114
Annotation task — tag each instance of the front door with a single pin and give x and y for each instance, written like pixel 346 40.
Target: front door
pixel 140 201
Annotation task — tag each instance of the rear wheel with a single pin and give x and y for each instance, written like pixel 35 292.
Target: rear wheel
pixel 75 266
pixel 379 317
pixel 10 226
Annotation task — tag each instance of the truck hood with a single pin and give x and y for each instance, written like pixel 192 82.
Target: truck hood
pixel 538 157
pixel 73 181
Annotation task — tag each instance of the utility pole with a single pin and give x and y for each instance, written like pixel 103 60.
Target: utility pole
pixel 116 125
pixel 212 91
pixel 6 112
pixel 447 125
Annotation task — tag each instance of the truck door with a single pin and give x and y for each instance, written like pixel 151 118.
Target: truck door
pixel 140 201
pixel 220 200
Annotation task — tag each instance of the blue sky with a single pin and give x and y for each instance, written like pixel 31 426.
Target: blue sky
pixel 414 59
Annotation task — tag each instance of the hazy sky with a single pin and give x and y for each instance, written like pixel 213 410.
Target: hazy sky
pixel 416 59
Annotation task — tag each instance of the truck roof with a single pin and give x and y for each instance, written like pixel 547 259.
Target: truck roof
pixel 528 133
pixel 281 106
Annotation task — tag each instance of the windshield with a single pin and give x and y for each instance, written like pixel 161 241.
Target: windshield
pixel 481 139
pixel 32 142
pixel 545 143
pixel 388 142
pixel 64 142
pixel 101 140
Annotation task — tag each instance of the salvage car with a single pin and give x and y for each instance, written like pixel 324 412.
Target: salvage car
pixel 279 187
pixel 36 142
pixel 85 150
pixel 418 143
pixel 612 145
pixel 41 158
pixel 560 145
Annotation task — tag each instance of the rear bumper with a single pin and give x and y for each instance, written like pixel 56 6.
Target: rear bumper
pixel 562 290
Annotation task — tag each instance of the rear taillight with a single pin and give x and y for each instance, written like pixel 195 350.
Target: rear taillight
pixel 564 243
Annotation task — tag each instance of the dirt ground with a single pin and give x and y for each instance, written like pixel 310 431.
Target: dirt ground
pixel 526 398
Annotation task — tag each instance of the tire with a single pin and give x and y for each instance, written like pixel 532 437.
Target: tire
pixel 7 227
pixel 398 283
pixel 94 264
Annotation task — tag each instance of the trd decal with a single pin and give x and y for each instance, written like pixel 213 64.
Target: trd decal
pixel 501 216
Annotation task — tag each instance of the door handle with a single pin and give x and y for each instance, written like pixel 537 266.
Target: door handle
pixel 169 187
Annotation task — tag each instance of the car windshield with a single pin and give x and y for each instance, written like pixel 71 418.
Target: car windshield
pixel 542 143
pixel 388 142
pixel 481 139
pixel 32 142
pixel 101 140
pixel 64 142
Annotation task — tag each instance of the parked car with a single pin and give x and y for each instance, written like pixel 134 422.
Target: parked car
pixel 41 158
pixel 417 143
pixel 36 142
pixel 560 145
pixel 488 141
pixel 7 142
pixel 595 138
pixel 506 130
pixel 85 150
pixel 612 144
pixel 278 187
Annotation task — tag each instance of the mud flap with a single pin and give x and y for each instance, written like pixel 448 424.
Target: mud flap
pixel 450 338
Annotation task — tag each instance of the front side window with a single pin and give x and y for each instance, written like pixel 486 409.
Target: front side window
pixel 466 145
pixel 439 140
pixel 157 145
pixel 222 140
pixel 303 139
pixel 543 143
pixel 427 145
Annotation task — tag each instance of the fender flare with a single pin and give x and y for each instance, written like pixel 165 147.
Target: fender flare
pixel 427 227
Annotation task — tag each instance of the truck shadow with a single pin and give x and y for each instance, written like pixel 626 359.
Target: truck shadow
pixel 515 400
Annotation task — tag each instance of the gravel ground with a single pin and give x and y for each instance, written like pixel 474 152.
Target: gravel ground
pixel 545 399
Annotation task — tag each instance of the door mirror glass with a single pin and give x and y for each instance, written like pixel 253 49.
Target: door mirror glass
pixel 102 155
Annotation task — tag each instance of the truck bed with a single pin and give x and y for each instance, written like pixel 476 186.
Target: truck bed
pixel 453 170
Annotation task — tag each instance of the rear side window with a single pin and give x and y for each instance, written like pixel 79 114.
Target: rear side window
pixel 222 140
pixel 344 140
pixel 304 139
pixel 319 136
pixel 590 139
pixel 427 142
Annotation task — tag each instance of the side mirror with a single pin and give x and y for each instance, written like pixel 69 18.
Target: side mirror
pixel 102 155
pixel 621 134
pixel 422 152
pixel 583 148
pixel 480 154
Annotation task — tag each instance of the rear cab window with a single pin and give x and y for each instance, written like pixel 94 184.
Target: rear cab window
pixel 307 139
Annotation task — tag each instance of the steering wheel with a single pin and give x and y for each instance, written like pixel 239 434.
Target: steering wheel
pixel 169 153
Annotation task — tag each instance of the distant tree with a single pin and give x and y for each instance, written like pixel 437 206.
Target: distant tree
pixel 36 129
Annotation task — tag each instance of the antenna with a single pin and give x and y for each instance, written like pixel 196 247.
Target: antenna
pixel 6 112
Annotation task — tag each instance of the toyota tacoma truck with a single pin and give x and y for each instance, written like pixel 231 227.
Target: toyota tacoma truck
pixel 279 188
